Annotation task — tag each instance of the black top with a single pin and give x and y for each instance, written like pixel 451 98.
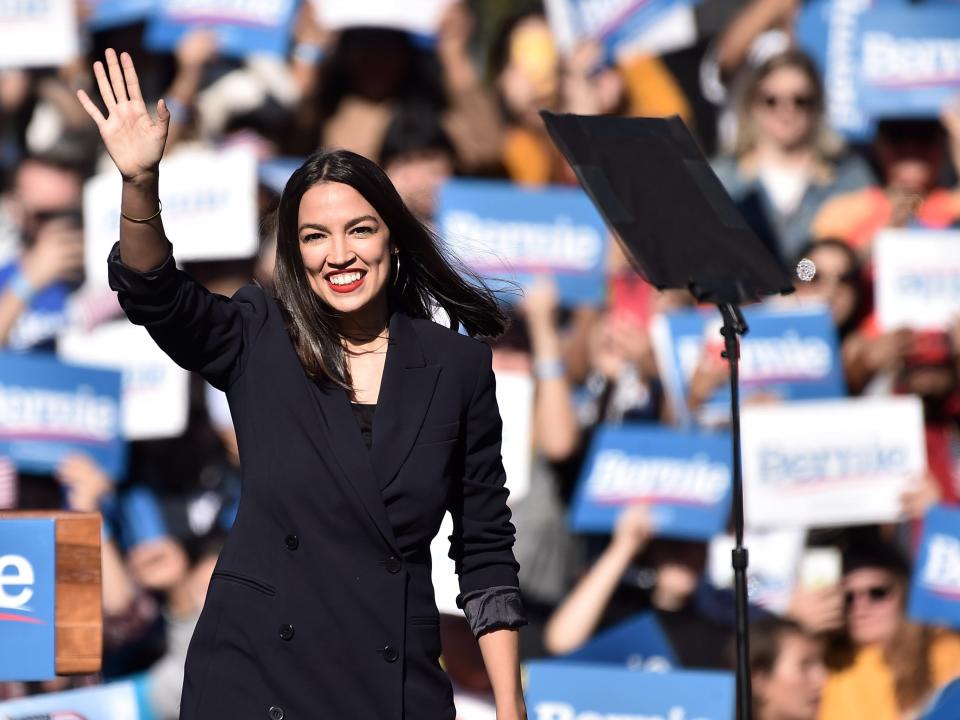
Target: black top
pixel 363 412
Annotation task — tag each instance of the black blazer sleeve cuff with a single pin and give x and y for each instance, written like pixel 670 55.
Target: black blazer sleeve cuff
pixel 496 608
pixel 134 286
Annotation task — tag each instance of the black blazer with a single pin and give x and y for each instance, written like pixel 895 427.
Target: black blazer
pixel 321 606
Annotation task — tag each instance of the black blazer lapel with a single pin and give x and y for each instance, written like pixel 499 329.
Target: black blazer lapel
pixel 405 394
pixel 349 452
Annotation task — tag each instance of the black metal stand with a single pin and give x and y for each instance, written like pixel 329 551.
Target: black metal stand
pixel 734 326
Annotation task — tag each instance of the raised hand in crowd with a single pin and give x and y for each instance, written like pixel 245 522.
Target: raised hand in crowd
pixel 866 357
pixel 818 610
pixel 194 52
pixel 555 429
pixel 311 43
pixel 575 621
pixel 158 564
pixel 135 141
pixel 85 482
pixel 923 494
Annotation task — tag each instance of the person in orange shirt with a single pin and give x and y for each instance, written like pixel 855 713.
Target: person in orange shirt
pixel 887 667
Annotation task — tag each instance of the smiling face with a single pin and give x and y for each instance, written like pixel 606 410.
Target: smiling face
pixel 345 246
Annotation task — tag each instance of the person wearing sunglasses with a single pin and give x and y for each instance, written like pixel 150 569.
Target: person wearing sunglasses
pixel 886 667
pixel 786 163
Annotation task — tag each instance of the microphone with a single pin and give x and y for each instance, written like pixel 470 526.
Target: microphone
pixel 806 270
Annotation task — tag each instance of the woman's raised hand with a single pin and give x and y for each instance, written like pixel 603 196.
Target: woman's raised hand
pixel 134 139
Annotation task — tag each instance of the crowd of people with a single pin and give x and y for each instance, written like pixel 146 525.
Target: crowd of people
pixel 466 105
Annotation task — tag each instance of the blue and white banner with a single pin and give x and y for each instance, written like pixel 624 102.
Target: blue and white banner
pixel 830 462
pixel 243 27
pixel 917 277
pixel 791 353
pixel 882 57
pixel 945 704
pixel 507 232
pixel 27 599
pixel 38 33
pixel 909 60
pixel 622 27
pixel 559 690
pixel 106 14
pixel 123 700
pixel 638 643
pixel 683 477
pixel 935 588
pixel 49 409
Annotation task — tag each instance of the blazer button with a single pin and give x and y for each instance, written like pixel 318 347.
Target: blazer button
pixel 286 632
pixel 392 564
pixel 390 653
pixel 292 542
pixel 276 713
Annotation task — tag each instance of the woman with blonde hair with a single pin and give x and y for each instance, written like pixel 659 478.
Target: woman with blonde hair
pixel 786 162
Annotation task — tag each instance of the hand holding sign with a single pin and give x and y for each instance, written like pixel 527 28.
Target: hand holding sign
pixel 133 138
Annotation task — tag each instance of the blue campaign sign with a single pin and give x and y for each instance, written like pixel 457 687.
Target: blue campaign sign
pixel 27 595
pixel 243 27
pixel 123 700
pixel 945 704
pixel 49 409
pixel 790 353
pixel 909 60
pixel 616 25
pixel 935 587
pixel 683 476
pixel 141 517
pixel 105 14
pixel 638 643
pixel 559 690
pixel 507 232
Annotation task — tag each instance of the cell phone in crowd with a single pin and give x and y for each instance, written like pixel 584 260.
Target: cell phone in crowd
pixel 820 567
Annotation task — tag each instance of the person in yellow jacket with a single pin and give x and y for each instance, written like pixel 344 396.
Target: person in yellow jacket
pixel 889 667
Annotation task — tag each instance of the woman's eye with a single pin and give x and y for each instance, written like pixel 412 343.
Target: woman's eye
pixel 312 237
pixel 363 230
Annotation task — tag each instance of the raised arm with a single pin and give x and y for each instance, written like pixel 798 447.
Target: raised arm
pixel 135 141
pixel 201 331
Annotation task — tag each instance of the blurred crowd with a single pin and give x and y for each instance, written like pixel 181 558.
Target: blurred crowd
pixel 466 105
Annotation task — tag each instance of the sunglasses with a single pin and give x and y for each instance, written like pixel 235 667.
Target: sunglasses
pixel 797 102
pixel 875 594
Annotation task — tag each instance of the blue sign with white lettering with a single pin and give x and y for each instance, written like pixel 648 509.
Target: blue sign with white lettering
pixel 616 26
pixel 638 643
pixel 243 27
pixel 684 477
pixel 121 700
pixel 507 232
pixel 559 690
pixel 790 354
pixel 27 599
pixel 935 587
pixel 891 58
pixel 105 14
pixel 49 409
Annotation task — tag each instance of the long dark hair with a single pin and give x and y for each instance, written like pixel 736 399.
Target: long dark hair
pixel 428 276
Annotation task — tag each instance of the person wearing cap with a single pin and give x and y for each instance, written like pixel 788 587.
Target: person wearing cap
pixel 887 667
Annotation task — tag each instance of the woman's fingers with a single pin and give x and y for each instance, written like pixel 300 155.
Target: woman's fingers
pixel 92 110
pixel 130 75
pixel 106 92
pixel 116 76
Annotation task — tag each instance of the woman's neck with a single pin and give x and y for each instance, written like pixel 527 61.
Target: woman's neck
pixel 796 157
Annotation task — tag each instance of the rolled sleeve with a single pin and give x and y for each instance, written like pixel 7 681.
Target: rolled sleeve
pixel 483 536
pixel 496 608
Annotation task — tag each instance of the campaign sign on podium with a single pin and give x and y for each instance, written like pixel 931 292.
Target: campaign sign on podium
pixel 507 232
pixel 683 477
pixel 49 409
pixel 935 587
pixel 27 592
pixel 561 690
pixel 638 643
pixel 242 28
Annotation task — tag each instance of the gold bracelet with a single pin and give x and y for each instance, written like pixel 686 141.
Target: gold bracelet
pixel 143 220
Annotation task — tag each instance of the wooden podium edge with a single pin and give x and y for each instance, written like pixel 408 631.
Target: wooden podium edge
pixel 79 601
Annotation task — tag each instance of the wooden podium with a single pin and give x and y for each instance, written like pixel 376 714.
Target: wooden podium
pixel 79 611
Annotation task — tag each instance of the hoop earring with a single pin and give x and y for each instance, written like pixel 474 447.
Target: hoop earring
pixel 397 274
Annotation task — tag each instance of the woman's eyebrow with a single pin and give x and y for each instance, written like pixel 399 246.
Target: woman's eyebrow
pixel 360 219
pixel 312 226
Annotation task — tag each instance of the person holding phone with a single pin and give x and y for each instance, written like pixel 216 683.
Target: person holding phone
pixel 359 423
